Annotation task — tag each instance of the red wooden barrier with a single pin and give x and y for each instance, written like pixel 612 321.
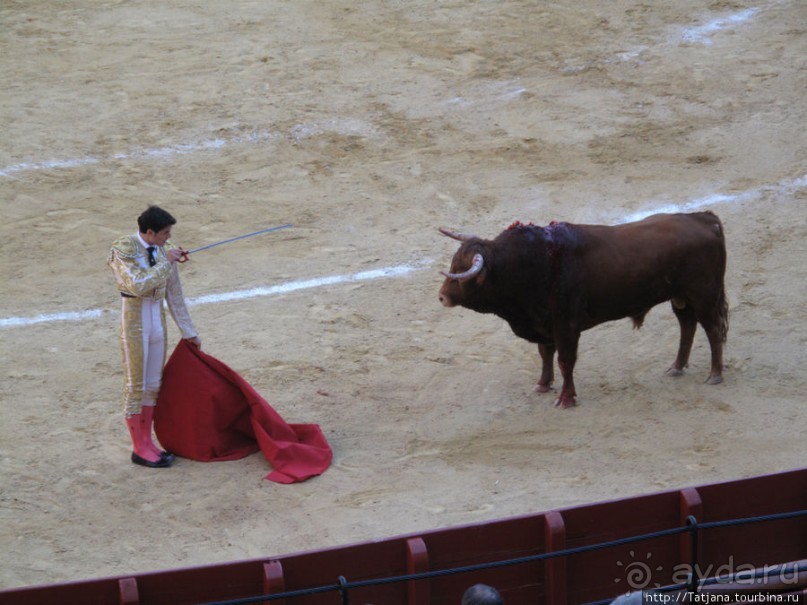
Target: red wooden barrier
pixel 577 578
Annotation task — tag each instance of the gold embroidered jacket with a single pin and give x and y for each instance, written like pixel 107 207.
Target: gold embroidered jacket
pixel 128 259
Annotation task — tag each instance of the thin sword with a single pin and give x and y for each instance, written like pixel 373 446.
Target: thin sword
pixel 234 239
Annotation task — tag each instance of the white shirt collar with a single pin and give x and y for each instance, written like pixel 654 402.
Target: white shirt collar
pixel 143 242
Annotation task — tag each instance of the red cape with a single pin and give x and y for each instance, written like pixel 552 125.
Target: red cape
pixel 206 411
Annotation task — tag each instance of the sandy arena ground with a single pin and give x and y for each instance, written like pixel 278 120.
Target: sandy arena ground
pixel 367 125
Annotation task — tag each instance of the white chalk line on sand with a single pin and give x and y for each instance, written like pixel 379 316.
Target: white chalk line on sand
pixel 716 199
pixel 318 282
pixel 157 152
pixel 285 288
pixel 703 33
pixel 788 187
pixel 300 132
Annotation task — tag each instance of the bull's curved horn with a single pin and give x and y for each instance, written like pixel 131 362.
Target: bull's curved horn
pixel 476 267
pixel 454 235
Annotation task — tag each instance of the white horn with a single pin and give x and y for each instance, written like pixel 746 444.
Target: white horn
pixel 476 267
pixel 454 235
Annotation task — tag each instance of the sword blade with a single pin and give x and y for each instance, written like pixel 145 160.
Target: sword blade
pixel 234 239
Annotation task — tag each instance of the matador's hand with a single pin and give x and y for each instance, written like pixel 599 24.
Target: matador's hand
pixel 175 254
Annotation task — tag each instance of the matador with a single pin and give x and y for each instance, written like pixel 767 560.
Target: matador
pixel 146 274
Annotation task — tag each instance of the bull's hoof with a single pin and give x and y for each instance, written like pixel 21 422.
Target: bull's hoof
pixel 714 379
pixel 542 388
pixel 674 372
pixel 565 402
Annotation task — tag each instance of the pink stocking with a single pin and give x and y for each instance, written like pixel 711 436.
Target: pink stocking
pixel 140 447
pixel 146 422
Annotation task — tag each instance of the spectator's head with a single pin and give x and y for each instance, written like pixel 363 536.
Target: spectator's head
pixel 482 594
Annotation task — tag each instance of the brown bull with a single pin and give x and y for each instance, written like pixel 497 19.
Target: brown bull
pixel 551 283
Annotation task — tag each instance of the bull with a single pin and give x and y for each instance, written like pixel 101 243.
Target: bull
pixel 552 283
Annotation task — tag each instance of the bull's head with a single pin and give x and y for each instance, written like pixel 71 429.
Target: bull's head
pixel 451 292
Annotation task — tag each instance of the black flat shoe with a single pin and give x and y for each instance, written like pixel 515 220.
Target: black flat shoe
pixel 161 463
pixel 167 456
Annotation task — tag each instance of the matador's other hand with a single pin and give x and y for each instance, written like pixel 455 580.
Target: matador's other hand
pixel 195 341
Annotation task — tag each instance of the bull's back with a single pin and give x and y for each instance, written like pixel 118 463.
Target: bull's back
pixel 628 269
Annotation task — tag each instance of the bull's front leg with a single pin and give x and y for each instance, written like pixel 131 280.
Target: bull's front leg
pixel 567 356
pixel 547 353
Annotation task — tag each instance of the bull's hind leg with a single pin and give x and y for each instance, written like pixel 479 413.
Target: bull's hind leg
pixel 689 324
pixel 715 322
pixel 716 343
pixel 716 333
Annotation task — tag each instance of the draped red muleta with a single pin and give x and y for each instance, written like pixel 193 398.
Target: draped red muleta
pixel 207 412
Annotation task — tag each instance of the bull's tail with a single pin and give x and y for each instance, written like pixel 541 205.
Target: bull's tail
pixel 722 314
pixel 722 310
